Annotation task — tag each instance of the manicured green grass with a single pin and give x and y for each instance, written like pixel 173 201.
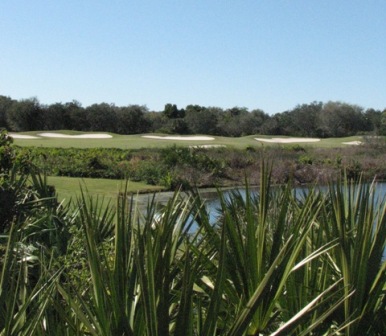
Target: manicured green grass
pixel 117 141
pixel 335 142
pixel 138 141
pixel 70 187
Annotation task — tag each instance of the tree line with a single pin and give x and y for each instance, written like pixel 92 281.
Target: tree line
pixel 315 119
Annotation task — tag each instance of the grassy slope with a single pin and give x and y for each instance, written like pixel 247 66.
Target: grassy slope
pixel 70 187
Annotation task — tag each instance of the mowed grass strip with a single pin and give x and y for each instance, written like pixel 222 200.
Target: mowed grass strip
pixel 69 188
pixel 137 141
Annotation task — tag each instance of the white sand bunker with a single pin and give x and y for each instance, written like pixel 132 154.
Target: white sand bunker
pixel 287 140
pixel 77 136
pixel 22 136
pixel 356 143
pixel 207 146
pixel 189 138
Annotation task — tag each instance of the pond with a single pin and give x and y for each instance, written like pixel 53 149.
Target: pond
pixel 213 203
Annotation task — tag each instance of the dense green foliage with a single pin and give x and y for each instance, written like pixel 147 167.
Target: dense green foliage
pixel 316 119
pixel 272 263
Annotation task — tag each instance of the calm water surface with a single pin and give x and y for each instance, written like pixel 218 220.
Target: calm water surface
pixel 213 203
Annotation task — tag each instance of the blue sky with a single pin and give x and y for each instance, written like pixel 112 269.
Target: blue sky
pixel 270 55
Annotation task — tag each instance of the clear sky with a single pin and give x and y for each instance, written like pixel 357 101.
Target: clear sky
pixel 270 55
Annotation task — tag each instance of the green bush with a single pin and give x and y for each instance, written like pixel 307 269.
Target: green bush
pixel 306 159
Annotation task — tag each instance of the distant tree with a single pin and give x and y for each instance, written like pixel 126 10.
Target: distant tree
pixel 250 122
pixel 238 121
pixel 132 120
pixel 256 120
pixel 201 120
pixel 75 117
pixel 331 119
pixel 25 115
pixel 271 126
pixel 179 126
pixel 382 130
pixel 171 120
pixel 157 121
pixel 373 120
pixel 236 111
pixel 175 126
pixel 5 105
pixel 229 121
pixel 54 117
pixel 305 119
pixel 101 117
pixel 172 112
pixel 287 124
pixel 341 119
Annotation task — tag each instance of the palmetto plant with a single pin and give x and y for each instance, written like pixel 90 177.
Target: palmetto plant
pixel 29 245
pixel 273 263
pixel 263 239
pixel 24 297
pixel 142 282
pixel 358 222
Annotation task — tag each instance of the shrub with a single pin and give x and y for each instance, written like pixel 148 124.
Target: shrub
pixel 305 159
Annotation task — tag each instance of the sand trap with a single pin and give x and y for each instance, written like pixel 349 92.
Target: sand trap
pixel 22 136
pixel 207 146
pixel 189 138
pixel 356 143
pixel 287 140
pixel 77 136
